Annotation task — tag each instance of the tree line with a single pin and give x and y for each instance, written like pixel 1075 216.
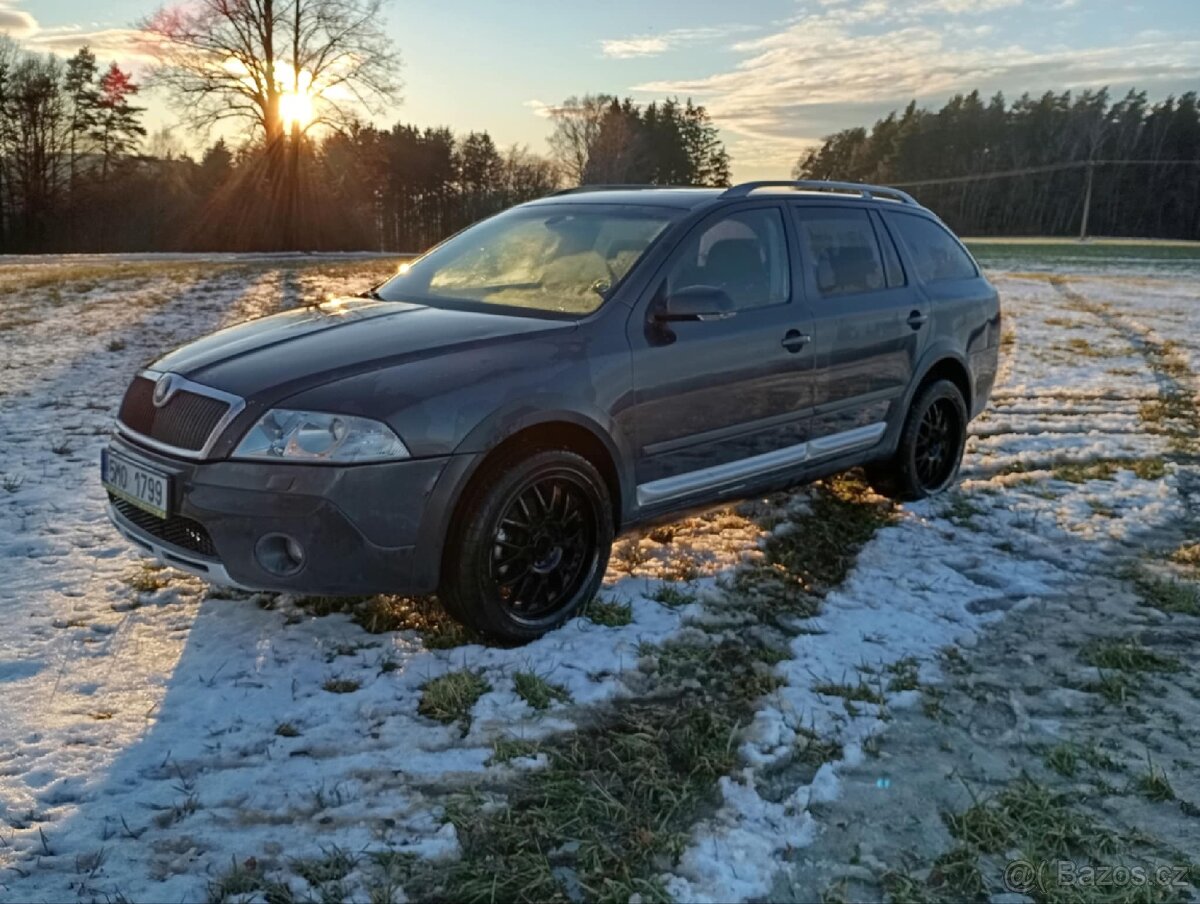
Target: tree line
pixel 1156 193
pixel 79 173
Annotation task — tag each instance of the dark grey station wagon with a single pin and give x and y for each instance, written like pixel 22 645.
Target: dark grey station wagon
pixel 485 422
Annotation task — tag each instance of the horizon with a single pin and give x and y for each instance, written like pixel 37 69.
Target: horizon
pixel 776 80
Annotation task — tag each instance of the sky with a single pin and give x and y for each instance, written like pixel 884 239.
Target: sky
pixel 777 75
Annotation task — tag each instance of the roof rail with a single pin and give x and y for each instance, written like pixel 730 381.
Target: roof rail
pixel 867 192
pixel 581 189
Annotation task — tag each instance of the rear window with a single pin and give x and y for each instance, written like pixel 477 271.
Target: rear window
pixel 935 253
pixel 840 246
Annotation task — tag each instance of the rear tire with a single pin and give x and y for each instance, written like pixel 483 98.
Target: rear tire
pixel 931 446
pixel 529 546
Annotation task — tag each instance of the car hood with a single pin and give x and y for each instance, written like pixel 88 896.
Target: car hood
pixel 295 350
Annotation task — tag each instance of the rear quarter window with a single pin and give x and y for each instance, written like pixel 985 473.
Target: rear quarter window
pixel 935 253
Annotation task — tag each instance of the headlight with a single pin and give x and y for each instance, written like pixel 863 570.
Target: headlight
pixel 281 434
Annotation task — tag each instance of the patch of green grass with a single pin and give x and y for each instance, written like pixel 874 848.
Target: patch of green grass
pixel 904 674
pixel 1127 656
pixel 1034 819
pixel 506 749
pixel 609 613
pixel 383 614
pixel 960 510
pixel 932 699
pixel 450 697
pixel 1168 595
pixel 1154 785
pixel 956 875
pixel 903 888
pixel 799 566
pixel 333 866
pixel 860 692
pixel 537 691
pixel 238 883
pixel 1114 687
pixel 624 794
pixel 809 747
pixel 729 667
pixel 1097 758
pixel 1063 759
pixel 672 595
pixel 1081 472
pixel 1085 349
pixel 148 578
pixel 1148 468
pixel 342 685
pixel 287 730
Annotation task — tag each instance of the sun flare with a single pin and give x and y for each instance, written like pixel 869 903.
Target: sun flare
pixel 296 109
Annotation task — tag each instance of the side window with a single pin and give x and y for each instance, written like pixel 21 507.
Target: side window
pixel 934 252
pixel 891 259
pixel 841 248
pixel 745 254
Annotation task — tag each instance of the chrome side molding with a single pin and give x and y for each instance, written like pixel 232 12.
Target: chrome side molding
pixel 757 465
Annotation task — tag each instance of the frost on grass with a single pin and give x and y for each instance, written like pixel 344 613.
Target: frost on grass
pixel 738 663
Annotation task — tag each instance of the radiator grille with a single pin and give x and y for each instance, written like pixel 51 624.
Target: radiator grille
pixel 186 421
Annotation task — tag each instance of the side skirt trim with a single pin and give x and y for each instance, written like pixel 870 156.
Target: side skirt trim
pixel 706 478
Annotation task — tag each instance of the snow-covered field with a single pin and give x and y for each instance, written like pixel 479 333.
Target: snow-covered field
pixel 156 736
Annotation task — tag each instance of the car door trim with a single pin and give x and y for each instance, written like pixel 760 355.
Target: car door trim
pixel 706 478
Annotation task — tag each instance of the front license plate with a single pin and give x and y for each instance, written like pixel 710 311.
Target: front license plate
pixel 146 488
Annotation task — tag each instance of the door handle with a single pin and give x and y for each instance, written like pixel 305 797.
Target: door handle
pixel 794 340
pixel 916 319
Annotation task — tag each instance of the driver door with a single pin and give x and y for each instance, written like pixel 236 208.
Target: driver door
pixel 718 402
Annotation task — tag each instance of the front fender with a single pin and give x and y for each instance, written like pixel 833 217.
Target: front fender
pixel 513 419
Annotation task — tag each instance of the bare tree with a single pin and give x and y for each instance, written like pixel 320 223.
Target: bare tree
pixel 577 125
pixel 247 59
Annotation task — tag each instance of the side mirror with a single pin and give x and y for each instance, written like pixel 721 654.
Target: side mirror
pixel 695 303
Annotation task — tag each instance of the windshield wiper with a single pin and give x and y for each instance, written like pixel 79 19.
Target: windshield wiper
pixel 371 293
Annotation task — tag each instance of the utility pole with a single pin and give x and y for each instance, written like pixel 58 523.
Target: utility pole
pixel 1087 201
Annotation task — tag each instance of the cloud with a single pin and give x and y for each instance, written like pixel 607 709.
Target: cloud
pixel 623 48
pixel 540 108
pixel 824 72
pixel 126 45
pixel 16 23
pixel 654 45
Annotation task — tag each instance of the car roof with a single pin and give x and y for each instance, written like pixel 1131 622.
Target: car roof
pixel 665 196
pixel 692 197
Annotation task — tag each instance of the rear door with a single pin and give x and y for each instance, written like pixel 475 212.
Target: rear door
pixel 870 324
pixel 718 402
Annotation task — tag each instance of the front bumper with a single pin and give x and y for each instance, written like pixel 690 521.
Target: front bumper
pixel 373 528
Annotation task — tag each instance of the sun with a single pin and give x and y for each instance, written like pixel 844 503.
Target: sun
pixel 296 109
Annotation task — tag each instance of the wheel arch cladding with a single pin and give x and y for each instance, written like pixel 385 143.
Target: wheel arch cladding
pixel 556 434
pixel 950 369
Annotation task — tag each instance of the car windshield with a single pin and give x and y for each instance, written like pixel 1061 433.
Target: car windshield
pixel 557 258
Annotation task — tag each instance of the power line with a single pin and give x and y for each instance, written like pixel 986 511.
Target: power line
pixel 1090 165
pixel 1047 168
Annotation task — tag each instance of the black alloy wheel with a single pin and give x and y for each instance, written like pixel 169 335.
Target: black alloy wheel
pixel 543 546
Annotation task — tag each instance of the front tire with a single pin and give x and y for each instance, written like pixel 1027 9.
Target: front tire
pixel 931 446
pixel 530 544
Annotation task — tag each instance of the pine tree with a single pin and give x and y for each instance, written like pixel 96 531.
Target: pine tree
pixel 79 85
pixel 117 128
